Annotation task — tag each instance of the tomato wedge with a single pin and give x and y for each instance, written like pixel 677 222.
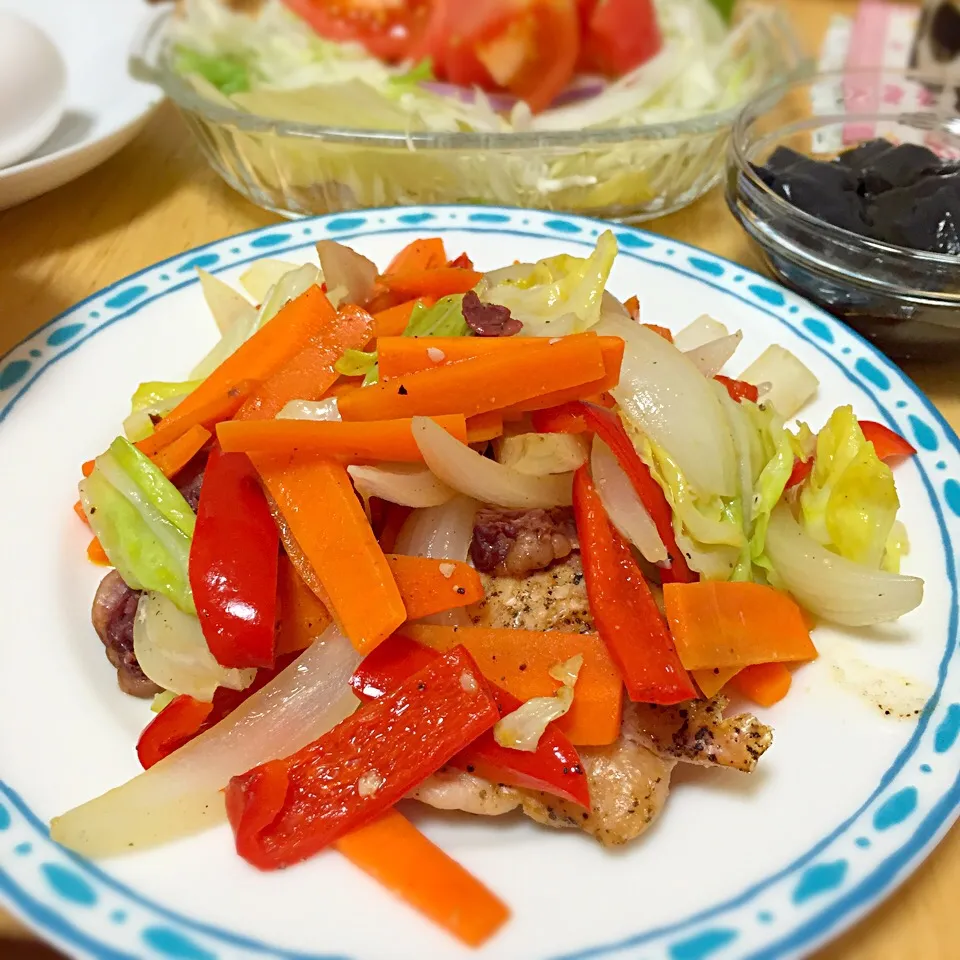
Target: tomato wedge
pixel 389 29
pixel 618 35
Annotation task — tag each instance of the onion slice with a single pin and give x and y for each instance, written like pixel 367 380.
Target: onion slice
pixel 182 793
pixel 710 357
pixel 439 533
pixel 667 398
pixel 624 508
pixel 344 268
pixel 831 586
pixel 408 484
pixel 326 410
pixel 170 647
pixel 486 480
pixel 700 331
pixel 792 383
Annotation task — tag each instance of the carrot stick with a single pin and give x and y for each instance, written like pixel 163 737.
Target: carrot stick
pixel 87 468
pixel 301 616
pixel 400 356
pixel 431 586
pixel 398 856
pixel 485 426
pixel 479 384
pixel 79 511
pixel 309 373
pixel 763 683
pixel 348 442
pixel 325 517
pixel 220 407
pixel 393 321
pixel 719 624
pixel 660 331
pixel 176 455
pixel 96 553
pixel 419 255
pixel 520 660
pixel 264 353
pixel 436 282
pixel 711 682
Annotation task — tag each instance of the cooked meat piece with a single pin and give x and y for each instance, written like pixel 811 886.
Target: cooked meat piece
pixel 450 789
pixel 517 542
pixel 189 480
pixel 554 599
pixel 114 610
pixel 696 732
pixel 628 788
pixel 488 319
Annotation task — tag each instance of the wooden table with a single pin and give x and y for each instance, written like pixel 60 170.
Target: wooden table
pixel 158 198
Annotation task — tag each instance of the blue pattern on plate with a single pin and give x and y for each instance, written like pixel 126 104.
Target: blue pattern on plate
pixel 828 892
pixel 707 266
pixel 923 433
pixel 62 335
pixel 201 261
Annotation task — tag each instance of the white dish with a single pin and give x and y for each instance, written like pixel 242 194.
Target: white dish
pixel 105 106
pixel 846 803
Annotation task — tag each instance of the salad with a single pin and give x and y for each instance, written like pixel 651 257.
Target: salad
pixel 490 541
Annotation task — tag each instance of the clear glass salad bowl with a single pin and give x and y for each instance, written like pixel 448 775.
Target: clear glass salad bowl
pixel 906 302
pixel 622 173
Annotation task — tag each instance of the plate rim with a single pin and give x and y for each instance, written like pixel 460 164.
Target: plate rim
pixel 562 227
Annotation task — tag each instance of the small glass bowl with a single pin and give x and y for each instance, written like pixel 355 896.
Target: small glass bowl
pixel 905 301
pixel 628 174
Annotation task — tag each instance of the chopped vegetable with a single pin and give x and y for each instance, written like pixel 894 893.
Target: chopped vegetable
pixel 391 440
pixel 142 522
pixel 229 308
pixel 407 484
pixel 434 282
pixel 479 384
pixel 738 389
pixel 233 563
pixel 711 682
pixel 96 553
pixel 402 859
pixel 430 586
pixel 849 502
pixel 887 443
pixel 349 273
pixel 172 458
pixel 301 615
pixel 538 454
pixel 287 810
pixel 627 617
pixel 735 625
pixel 425 254
pixel 702 330
pixel 392 321
pixel 763 683
pixel 323 513
pixel 710 357
pixel 261 275
pixel 554 766
pixel 483 479
pixel 485 427
pixel 523 729
pixel 792 384
pixel 520 661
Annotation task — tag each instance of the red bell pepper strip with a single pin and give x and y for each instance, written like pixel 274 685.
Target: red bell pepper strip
pixel 553 767
pixel 287 810
pixel 627 617
pixel 578 417
pixel 886 442
pixel 233 563
pixel 800 472
pixel 738 389
pixel 185 718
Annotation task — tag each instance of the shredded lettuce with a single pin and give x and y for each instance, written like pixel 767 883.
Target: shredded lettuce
pixel 227 72
pixel 555 296
pixel 153 399
pixel 142 521
pixel 849 503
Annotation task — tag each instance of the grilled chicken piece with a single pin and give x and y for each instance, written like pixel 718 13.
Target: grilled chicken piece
pixel 628 788
pixel 697 732
pixel 450 789
pixel 551 599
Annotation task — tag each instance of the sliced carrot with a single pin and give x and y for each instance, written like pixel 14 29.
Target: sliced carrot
pixel 660 331
pixel 432 586
pixel 479 384
pixel 612 349
pixel 346 442
pixel 435 282
pixel 520 661
pixel 264 353
pixel 176 455
pixel 763 683
pixel 211 412
pixel 720 624
pixel 485 426
pixel 402 859
pixel 393 321
pixel 96 553
pixel 301 616
pixel 309 373
pixel 87 467
pixel 79 511
pixel 711 682
pixel 396 517
pixel 419 255
pixel 633 306
pixel 325 517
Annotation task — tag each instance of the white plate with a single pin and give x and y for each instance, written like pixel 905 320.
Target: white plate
pixel 105 106
pixel 845 804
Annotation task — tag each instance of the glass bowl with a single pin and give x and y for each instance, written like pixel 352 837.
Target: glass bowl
pixel 905 301
pixel 629 173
